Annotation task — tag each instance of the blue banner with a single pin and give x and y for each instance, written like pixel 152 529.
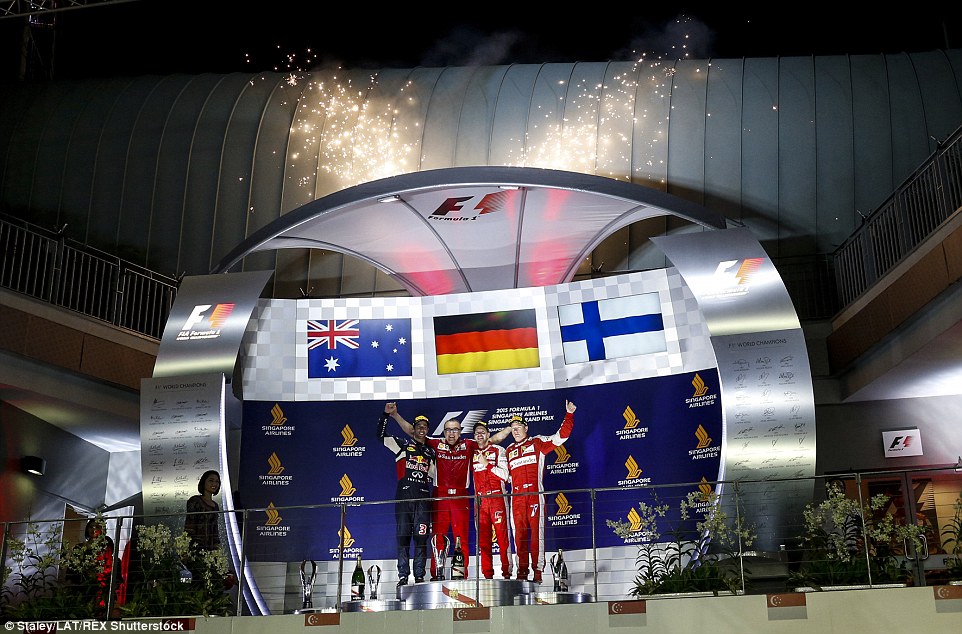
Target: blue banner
pixel 627 436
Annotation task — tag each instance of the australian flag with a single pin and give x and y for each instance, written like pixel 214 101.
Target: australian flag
pixel 339 348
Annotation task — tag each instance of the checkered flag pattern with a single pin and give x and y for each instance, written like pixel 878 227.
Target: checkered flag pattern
pixel 274 357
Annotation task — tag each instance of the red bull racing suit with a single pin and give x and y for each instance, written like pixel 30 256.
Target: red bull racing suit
pixel 415 464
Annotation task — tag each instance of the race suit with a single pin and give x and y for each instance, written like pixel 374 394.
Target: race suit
pixel 526 464
pixel 453 481
pixel 489 479
pixel 415 464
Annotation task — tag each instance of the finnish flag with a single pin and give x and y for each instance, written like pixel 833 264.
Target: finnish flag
pixel 612 328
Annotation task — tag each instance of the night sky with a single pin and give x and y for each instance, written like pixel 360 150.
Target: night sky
pixel 163 37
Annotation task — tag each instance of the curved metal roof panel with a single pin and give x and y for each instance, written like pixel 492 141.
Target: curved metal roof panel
pixel 470 229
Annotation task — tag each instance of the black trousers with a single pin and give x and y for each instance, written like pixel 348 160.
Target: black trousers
pixel 413 518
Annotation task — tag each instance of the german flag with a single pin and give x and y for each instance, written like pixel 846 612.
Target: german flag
pixel 486 341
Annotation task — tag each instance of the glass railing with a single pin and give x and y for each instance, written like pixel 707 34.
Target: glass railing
pixel 664 541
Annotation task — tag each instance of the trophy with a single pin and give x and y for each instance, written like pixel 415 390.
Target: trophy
pixel 307 583
pixel 440 554
pixel 373 578
pixel 560 571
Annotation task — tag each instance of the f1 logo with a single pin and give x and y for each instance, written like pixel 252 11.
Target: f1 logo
pixel 450 204
pixel 196 316
pixel 216 319
pixel 489 203
pixel 901 441
pixel 741 275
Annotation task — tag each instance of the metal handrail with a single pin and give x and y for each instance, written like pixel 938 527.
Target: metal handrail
pixel 920 205
pixel 48 266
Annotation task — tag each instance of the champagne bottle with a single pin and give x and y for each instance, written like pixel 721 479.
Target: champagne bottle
pixel 357 582
pixel 459 568
pixel 562 574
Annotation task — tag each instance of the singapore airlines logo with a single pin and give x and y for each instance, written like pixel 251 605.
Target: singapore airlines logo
pixel 702 396
pixel 634 478
pixel 564 516
pixel 277 426
pixel 632 429
pixel 273 517
pixel 215 321
pixel 347 487
pixel 631 421
pixel 563 462
pixel 273 476
pixel 272 526
pixel 634 472
pixel 634 520
pixel 700 388
pixel 703 438
pixel 705 490
pixel 348 435
pixel 275 463
pixel 346 540
pixel 562 455
pixel 349 447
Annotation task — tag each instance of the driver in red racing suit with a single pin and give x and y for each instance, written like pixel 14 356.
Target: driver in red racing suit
pixel 526 465
pixel 490 475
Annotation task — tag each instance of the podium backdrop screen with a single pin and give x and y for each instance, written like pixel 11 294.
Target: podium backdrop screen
pixel 632 352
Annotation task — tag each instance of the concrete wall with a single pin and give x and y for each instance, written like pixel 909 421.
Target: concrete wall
pixel 851 433
pixel 76 470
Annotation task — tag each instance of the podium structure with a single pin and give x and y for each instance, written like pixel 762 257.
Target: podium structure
pixel 701 355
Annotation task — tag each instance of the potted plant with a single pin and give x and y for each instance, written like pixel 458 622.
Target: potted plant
pixel 692 560
pixel 170 576
pixel 952 543
pixel 53 580
pixel 29 585
pixel 848 544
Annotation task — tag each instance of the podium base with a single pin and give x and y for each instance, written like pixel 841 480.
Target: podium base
pixel 463 593
pixel 372 605
pixel 551 598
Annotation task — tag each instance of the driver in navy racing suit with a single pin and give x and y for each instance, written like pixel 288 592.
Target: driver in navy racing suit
pixel 415 462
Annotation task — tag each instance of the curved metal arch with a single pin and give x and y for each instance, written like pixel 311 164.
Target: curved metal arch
pixel 477 228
